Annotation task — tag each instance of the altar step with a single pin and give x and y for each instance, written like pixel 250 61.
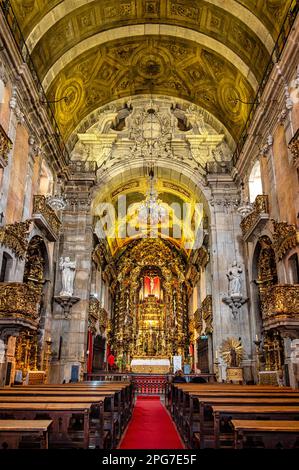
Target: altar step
pixel 150 384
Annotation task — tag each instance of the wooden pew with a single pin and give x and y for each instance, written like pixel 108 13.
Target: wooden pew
pixel 111 416
pixel 124 391
pixel 223 415
pixel 181 407
pixel 203 428
pixel 179 390
pixel 16 434
pixel 119 406
pixel 123 398
pixel 61 415
pixel 266 434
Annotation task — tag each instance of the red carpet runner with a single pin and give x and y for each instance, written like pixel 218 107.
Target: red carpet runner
pixel 151 427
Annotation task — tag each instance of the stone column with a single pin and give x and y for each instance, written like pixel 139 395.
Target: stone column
pixel 69 330
pixel 227 247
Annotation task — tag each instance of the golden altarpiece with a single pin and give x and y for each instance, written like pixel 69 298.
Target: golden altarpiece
pixel 150 314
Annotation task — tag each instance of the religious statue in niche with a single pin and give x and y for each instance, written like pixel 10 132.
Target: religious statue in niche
pixel 235 298
pixel 234 277
pixel 68 269
pixel 152 285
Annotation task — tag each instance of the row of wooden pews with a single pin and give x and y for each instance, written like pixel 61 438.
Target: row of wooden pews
pixel 80 415
pixel 211 415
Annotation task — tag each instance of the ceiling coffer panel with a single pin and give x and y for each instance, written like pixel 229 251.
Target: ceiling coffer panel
pixel 161 65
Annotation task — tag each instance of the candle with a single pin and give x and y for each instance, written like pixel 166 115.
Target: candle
pixel 256 338
pixel 216 354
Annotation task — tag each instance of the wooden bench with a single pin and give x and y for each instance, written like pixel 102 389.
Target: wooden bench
pixel 120 408
pixel 266 434
pixel 20 434
pixel 185 408
pixel 117 406
pixel 223 415
pixel 64 431
pixel 204 426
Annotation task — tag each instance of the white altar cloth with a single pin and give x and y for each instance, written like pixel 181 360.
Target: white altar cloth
pixel 150 365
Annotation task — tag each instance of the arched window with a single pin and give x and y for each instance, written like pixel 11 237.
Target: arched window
pixel 293 269
pixel 6 267
pixel 45 180
pixel 2 86
pixel 255 182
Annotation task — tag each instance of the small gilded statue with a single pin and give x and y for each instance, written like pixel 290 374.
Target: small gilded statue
pixel 232 352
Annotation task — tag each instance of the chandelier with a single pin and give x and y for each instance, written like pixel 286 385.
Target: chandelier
pixel 151 210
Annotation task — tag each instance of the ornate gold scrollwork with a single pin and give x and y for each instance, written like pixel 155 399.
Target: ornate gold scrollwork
pixel 294 148
pixel 93 313
pixel 232 352
pixel 281 301
pixel 97 315
pixel 43 214
pixel 15 237
pixel 154 322
pixel 273 350
pixel 207 313
pixel 203 257
pixel 198 323
pixel 27 352
pixel 19 301
pixel 5 146
pixel 285 238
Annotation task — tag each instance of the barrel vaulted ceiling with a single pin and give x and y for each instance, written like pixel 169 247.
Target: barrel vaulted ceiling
pixel 212 53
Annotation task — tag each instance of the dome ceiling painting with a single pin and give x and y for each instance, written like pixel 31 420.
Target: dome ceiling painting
pixel 211 53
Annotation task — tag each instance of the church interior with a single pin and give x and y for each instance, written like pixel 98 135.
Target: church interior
pixel 149 224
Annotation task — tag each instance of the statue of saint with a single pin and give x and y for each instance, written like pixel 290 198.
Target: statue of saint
pixel 68 269
pixel 233 358
pixel 152 284
pixel 234 277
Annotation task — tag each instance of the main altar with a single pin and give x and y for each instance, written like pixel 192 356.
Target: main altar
pixel 150 312
pixel 150 365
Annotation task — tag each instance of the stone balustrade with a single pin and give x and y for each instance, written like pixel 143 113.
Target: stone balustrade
pixel 45 217
pixel 257 218
pixel 19 305
pixel 83 170
pixel 5 146
pixel 280 306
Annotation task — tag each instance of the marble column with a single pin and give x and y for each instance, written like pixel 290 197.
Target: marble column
pixel 226 247
pixel 69 330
